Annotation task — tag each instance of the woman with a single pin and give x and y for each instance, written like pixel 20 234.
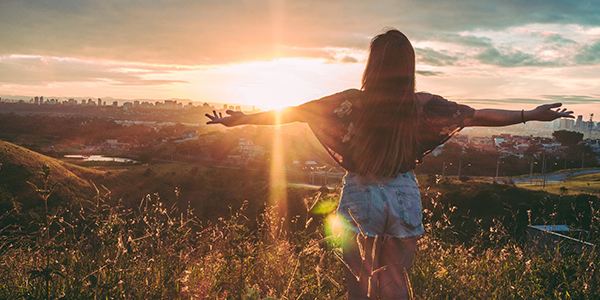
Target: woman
pixel 378 134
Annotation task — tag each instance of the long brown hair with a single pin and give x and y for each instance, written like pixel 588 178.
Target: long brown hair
pixel 386 140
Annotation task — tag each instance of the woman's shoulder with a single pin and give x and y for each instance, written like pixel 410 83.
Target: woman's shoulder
pixel 333 106
pixel 351 95
pixel 354 93
pixel 426 98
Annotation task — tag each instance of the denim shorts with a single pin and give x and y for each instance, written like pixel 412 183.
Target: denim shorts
pixel 388 206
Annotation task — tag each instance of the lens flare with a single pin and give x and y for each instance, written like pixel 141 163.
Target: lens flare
pixel 278 182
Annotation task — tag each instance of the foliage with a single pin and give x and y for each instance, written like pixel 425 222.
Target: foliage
pixel 568 138
pixel 494 263
pixel 90 250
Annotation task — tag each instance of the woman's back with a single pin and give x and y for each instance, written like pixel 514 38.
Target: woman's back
pixel 333 120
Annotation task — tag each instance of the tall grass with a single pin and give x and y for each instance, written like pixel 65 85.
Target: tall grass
pixel 92 250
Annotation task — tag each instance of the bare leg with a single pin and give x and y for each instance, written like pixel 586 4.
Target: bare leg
pixel 397 256
pixel 359 264
pixel 364 256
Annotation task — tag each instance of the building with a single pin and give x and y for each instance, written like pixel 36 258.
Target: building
pixel 170 104
pixel 579 123
pixel 565 124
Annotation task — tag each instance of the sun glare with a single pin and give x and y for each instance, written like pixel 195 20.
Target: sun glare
pixel 278 181
pixel 285 82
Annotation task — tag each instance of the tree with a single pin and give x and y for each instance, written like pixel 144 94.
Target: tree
pixel 567 138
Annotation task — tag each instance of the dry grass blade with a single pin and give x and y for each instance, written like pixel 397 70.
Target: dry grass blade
pixel 356 222
pixel 302 293
pixel 347 266
pixel 317 197
pixel 337 285
pixel 408 285
pixel 361 248
pixel 291 279
pixel 308 223
pixel 374 252
pixel 379 270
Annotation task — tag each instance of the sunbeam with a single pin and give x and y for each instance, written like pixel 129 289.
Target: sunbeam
pixel 277 187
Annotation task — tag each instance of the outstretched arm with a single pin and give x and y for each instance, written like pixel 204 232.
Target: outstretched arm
pixel 500 117
pixel 272 117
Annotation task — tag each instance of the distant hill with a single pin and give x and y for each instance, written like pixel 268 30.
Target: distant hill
pixel 20 165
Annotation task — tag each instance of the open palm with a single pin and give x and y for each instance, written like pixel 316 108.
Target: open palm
pixel 546 113
pixel 233 119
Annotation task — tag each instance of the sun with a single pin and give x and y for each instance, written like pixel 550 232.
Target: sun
pixel 281 83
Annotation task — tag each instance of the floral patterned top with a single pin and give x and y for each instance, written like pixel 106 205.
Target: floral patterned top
pixel 331 118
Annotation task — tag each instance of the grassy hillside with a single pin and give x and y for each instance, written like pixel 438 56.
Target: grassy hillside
pixel 122 247
pixel 152 251
pixel 20 165
pixel 476 205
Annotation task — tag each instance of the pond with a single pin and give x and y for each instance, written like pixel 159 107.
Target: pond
pixel 101 158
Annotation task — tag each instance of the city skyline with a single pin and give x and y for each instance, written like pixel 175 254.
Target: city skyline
pixel 278 53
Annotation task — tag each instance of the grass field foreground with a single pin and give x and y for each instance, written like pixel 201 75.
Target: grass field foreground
pixel 93 250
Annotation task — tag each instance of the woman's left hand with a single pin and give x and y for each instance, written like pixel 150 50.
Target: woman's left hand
pixel 234 118
pixel 546 112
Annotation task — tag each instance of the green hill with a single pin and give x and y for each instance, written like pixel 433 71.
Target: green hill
pixel 588 184
pixel 20 165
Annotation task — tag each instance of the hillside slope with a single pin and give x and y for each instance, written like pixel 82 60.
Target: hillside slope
pixel 20 165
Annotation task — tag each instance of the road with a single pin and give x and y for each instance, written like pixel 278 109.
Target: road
pixel 554 177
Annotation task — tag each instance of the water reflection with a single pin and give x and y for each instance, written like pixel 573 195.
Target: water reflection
pixel 101 158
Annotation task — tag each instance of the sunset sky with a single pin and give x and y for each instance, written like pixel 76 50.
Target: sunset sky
pixel 503 54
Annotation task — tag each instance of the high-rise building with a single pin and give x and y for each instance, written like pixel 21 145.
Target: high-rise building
pixel 565 124
pixel 99 102
pixel 579 124
pixel 36 100
pixel 170 104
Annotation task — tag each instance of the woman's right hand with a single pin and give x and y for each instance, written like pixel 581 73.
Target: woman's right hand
pixel 234 118
pixel 547 112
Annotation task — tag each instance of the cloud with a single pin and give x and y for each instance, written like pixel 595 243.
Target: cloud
pixel 149 82
pixel 504 101
pixel 513 58
pixel 465 40
pixel 588 54
pixel 544 99
pixel 432 57
pixel 574 99
pixel 216 32
pixel 37 70
pixel 429 73
pixel 349 59
pixel 558 39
